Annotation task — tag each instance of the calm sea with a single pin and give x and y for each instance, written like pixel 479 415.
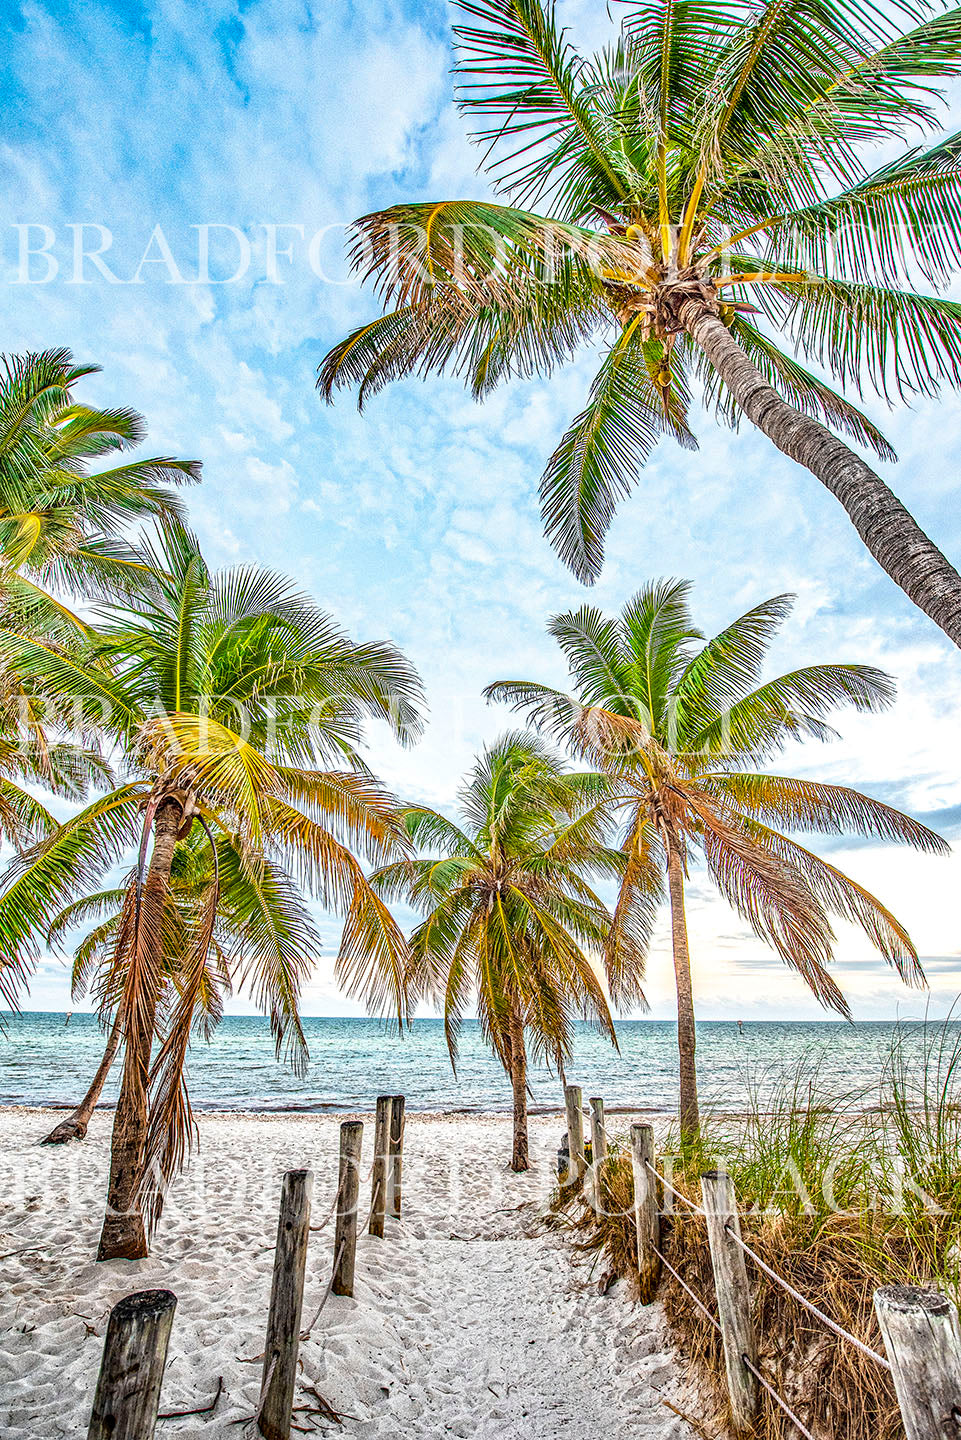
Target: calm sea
pixel 44 1060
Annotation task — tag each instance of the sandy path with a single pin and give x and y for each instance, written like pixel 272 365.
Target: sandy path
pixel 468 1319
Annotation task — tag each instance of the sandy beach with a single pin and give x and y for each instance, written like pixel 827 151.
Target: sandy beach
pixel 469 1318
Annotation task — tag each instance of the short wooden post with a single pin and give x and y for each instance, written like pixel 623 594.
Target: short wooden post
pixel 286 1302
pixel 378 1185
pixel 348 1194
pixel 733 1297
pixel 574 1105
pixel 647 1220
pixel 395 1181
pixel 132 1368
pixel 598 1147
pixel 923 1341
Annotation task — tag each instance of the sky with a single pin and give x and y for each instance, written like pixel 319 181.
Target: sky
pixel 212 153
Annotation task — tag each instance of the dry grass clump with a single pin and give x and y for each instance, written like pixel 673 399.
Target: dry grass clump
pixel 839 1199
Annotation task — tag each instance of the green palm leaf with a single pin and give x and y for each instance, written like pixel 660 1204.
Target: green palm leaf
pixel 598 460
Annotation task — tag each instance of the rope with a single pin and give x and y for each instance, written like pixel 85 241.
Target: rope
pixel 775 1396
pixel 717 1326
pixel 330 1286
pixel 684 1286
pixel 802 1300
pixel 266 1386
pixel 668 1186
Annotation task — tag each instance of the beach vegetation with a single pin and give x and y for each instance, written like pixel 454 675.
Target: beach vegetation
pixel 839 1194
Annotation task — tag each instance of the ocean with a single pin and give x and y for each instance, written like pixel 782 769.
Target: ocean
pixel 46 1061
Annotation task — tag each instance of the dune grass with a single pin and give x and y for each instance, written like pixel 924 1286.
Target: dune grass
pixel 840 1195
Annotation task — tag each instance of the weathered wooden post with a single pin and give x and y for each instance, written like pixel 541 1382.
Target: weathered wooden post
pixel 574 1105
pixel 598 1147
pixel 395 1182
pixel 923 1341
pixel 348 1194
pixel 647 1220
pixel 132 1368
pixel 378 1185
pixel 286 1302
pixel 733 1297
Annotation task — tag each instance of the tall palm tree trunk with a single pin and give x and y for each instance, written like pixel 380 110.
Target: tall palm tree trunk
pixel 74 1127
pixel 686 1034
pixel 894 538
pixel 123 1236
pixel 521 1156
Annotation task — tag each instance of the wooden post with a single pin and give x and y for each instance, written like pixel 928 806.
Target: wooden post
pixel 395 1180
pixel 348 1193
pixel 598 1147
pixel 733 1297
pixel 923 1341
pixel 574 1105
pixel 286 1302
pixel 378 1185
pixel 132 1368
pixel 647 1220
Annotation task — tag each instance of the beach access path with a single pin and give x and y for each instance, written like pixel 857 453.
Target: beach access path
pixel 469 1319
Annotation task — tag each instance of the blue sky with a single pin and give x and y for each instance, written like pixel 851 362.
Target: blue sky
pixel 418 520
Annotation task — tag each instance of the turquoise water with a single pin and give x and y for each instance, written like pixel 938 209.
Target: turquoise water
pixel 45 1061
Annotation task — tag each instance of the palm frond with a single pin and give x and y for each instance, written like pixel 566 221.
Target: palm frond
pixel 904 217
pixel 598 460
pixel 791 707
pixel 520 76
pixel 851 902
pixel 723 671
pixel 771 895
pixel 809 805
pixel 901 343
pixel 275 944
pixel 71 862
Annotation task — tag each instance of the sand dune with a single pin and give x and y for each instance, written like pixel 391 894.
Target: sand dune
pixel 468 1319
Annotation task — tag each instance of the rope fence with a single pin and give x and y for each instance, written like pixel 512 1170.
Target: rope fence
pixel 777 1398
pixel 697 1209
pixel 808 1305
pixel 919 1327
pixel 684 1286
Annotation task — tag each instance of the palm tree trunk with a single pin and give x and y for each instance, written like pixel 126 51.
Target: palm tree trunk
pixel 686 1034
pixel 521 1156
pixel 123 1236
pixel 75 1125
pixel 894 538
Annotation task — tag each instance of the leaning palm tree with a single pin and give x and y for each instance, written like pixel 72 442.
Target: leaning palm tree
pixel 95 958
pixel 62 524
pixel 681 726
pixel 509 908
pixel 689 198
pixel 235 706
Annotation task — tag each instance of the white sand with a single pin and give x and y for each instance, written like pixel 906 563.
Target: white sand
pixel 468 1319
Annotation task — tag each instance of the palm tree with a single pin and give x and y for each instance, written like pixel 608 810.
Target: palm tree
pixel 224 695
pixel 95 957
pixel 62 528
pixel 700 194
pixel 60 525
pixel 509 908
pixel 681 727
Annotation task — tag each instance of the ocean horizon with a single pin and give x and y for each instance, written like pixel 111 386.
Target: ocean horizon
pixel 47 1060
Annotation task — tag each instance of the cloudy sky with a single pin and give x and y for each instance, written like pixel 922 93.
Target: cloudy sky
pixel 128 128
